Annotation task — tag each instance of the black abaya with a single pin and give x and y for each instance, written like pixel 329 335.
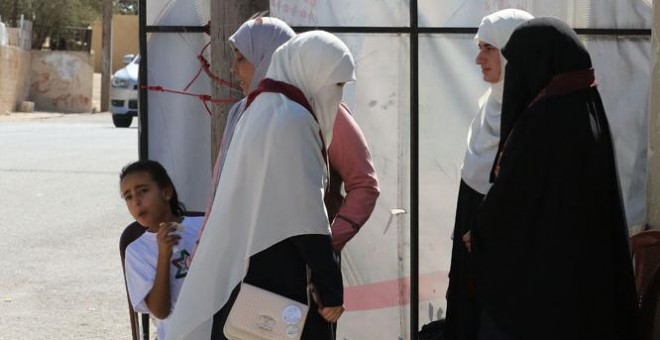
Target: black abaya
pixel 462 312
pixel 550 240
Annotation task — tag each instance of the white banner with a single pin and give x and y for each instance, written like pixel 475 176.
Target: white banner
pixel 375 262
pixel 179 126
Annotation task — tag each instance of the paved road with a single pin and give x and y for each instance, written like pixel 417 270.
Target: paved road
pixel 60 221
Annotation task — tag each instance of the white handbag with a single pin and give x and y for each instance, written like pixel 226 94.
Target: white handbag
pixel 258 314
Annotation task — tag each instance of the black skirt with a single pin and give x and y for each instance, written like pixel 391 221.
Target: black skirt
pixel 462 320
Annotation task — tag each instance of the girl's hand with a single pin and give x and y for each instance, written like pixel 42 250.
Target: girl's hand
pixel 167 237
pixel 331 314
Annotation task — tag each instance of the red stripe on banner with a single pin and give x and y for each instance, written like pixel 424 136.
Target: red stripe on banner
pixel 393 293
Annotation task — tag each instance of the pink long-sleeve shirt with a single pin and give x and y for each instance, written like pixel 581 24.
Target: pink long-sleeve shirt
pixel 350 157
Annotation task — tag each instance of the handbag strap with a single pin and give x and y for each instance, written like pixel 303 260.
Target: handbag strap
pixel 310 286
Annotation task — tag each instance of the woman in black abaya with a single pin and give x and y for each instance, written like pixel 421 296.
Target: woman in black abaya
pixel 550 241
pixel 484 135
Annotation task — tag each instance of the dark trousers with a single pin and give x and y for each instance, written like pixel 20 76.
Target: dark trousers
pixel 462 318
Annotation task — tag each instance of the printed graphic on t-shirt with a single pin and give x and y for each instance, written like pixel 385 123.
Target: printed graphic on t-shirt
pixel 181 264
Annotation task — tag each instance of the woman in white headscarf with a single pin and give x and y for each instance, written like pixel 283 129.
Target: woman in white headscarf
pixel 483 141
pixel 268 220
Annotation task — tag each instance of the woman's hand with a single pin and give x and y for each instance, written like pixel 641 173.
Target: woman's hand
pixel 167 237
pixel 331 314
pixel 467 240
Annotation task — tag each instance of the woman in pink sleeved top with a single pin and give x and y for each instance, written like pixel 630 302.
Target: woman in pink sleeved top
pixel 350 163
pixel 350 159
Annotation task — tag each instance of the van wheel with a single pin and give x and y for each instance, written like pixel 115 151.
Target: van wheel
pixel 122 121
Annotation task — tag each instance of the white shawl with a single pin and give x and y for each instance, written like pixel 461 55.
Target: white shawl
pixel 484 133
pixel 272 183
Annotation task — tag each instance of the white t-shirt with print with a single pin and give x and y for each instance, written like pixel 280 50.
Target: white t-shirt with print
pixel 140 266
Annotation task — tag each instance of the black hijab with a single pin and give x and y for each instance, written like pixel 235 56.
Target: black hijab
pixel 550 240
pixel 536 52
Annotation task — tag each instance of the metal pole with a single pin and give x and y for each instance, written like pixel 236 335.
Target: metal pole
pixel 414 167
pixel 106 58
pixel 653 176
pixel 143 99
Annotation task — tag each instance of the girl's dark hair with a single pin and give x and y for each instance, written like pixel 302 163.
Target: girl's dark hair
pixel 160 176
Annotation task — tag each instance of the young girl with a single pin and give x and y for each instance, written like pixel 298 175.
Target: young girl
pixel 156 262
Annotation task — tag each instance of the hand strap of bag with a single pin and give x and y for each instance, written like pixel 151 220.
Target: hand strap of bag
pixel 310 286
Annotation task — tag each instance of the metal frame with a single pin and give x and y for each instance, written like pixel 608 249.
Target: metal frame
pixel 459 30
pixel 143 79
pixel 413 31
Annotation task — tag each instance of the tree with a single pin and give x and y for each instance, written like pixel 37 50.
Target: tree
pixel 59 20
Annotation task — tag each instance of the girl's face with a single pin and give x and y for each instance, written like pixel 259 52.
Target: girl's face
pixel 489 60
pixel 146 201
pixel 242 69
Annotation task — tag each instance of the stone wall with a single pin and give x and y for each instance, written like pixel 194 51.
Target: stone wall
pixel 125 40
pixel 15 63
pixel 15 66
pixel 61 81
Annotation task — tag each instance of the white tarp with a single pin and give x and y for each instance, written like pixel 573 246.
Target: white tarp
pixel 3 34
pixel 578 13
pixel 376 262
pixel 179 128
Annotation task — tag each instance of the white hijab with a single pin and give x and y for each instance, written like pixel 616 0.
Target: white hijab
pixel 272 183
pixel 484 132
pixel 316 72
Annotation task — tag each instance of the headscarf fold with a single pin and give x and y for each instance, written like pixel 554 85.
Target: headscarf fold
pixel 272 183
pixel 484 132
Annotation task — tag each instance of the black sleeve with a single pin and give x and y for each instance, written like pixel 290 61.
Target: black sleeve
pixel 326 274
